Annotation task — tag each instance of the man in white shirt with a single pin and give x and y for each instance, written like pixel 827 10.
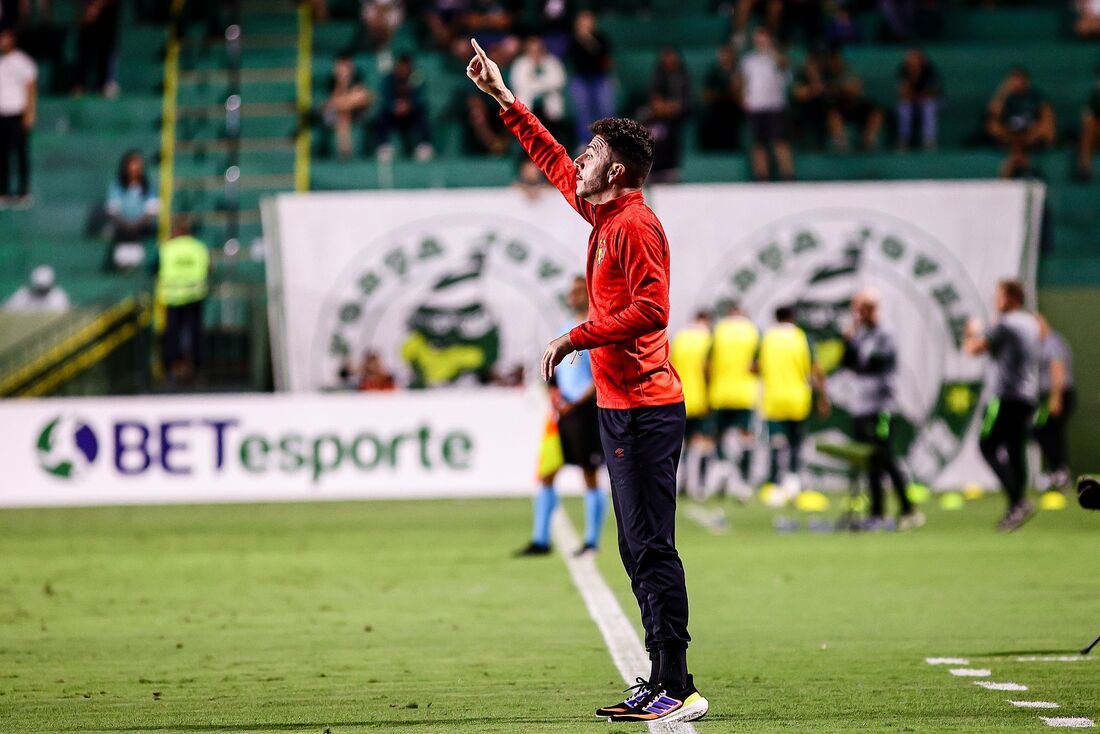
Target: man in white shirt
pixel 18 101
pixel 764 78
pixel 41 295
pixel 538 79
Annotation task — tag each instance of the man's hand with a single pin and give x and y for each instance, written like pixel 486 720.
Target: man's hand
pixel 484 72
pixel 1055 405
pixel 28 120
pixel 556 351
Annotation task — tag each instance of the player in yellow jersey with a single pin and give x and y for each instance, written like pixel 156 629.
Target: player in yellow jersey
pixel 689 355
pixel 789 377
pixel 734 390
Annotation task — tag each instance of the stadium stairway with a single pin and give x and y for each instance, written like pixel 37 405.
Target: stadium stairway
pixel 236 125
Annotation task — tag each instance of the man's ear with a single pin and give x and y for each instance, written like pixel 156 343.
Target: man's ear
pixel 616 169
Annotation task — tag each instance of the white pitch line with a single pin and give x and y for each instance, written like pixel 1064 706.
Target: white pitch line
pixel 1052 659
pixel 1069 722
pixel 618 633
pixel 971 672
pixel 990 685
pixel 947 661
pixel 1035 704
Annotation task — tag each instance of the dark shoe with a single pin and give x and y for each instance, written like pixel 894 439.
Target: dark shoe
pixel 642 692
pixel 532 549
pixel 1088 492
pixel 585 549
pixel 1017 515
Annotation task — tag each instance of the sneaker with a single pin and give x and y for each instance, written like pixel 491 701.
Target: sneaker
pixel 642 691
pixel 424 152
pixel 874 525
pixel 584 549
pixel 385 152
pixel 532 549
pixel 1016 516
pixel 662 705
pixel 911 520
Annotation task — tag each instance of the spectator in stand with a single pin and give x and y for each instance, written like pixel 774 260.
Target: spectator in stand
pixel 591 88
pixel 380 20
pixel 845 103
pixel 18 107
pixel 1021 120
pixel 841 28
pixel 1088 19
pixel 918 92
pixel 530 181
pixel 783 19
pixel 483 131
pixel 811 97
pixel 443 19
pixel 720 126
pixel 764 79
pixel 40 295
pixel 453 22
pixel 348 98
pixel 374 377
pixel 1090 132
pixel 132 205
pixel 97 46
pixel 669 102
pixel 538 78
pixel 402 107
pixel 183 273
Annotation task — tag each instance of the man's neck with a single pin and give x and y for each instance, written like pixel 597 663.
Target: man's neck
pixel 610 194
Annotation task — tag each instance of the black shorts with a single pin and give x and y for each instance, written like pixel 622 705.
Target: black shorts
pixel 698 426
pixel 727 418
pixel 579 430
pixel 768 127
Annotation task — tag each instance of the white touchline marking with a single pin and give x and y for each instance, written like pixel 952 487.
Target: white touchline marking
pixel 972 672
pixel 1051 659
pixel 947 661
pixel 1034 704
pixel 618 632
pixel 1069 722
pixel 1000 686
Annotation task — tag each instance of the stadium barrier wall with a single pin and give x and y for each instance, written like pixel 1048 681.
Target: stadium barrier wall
pixel 246 448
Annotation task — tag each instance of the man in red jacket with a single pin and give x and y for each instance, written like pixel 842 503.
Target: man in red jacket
pixel 641 406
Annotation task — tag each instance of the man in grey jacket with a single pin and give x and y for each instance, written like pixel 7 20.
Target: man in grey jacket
pixel 1014 346
pixel 871 354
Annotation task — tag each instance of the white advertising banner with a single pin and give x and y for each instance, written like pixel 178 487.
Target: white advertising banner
pixel 243 448
pixel 459 287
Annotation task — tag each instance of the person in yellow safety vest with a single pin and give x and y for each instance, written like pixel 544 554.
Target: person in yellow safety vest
pixel 689 355
pixel 789 376
pixel 183 276
pixel 734 391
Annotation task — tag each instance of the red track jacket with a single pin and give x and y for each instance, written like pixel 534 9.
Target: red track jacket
pixel 627 276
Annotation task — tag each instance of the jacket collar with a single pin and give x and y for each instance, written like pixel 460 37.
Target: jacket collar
pixel 606 210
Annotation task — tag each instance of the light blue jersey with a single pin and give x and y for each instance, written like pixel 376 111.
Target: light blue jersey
pixel 574 376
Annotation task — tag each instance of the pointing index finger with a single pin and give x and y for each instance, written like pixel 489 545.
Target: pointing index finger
pixel 478 49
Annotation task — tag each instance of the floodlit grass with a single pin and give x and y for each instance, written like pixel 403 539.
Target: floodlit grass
pixel 411 616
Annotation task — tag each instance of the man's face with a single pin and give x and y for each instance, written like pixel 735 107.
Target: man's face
pixel 761 40
pixel 1017 83
pixel 867 312
pixel 7 42
pixel 1000 300
pixel 535 49
pixel 592 167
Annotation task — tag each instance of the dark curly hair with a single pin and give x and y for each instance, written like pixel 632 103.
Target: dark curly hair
pixel 631 144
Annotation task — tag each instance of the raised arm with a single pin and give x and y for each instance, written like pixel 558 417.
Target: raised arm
pixel 547 153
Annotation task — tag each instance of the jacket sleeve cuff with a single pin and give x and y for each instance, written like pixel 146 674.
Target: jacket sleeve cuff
pixel 577 337
pixel 514 112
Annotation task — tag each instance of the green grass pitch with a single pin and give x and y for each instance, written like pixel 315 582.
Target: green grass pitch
pixel 411 616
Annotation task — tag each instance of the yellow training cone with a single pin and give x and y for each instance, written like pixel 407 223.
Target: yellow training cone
pixel 951 501
pixel 811 501
pixel 1052 501
pixel 918 493
pixel 973 491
